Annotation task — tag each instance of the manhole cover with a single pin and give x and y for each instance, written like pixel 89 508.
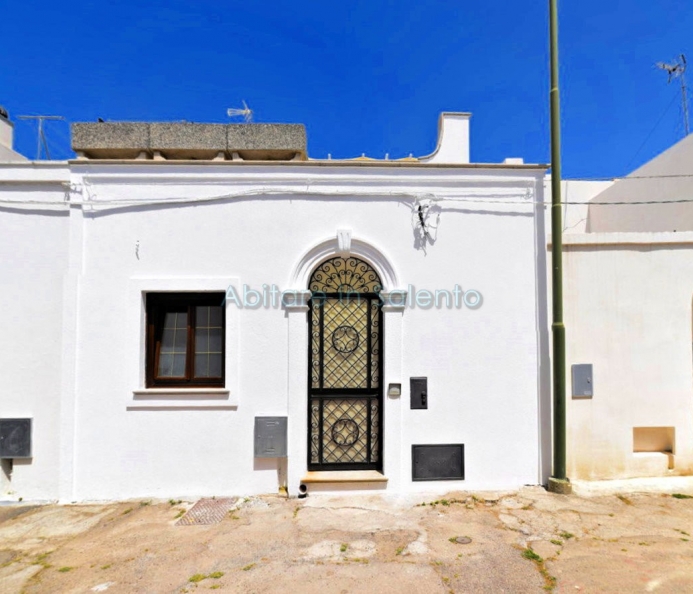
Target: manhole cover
pixel 208 511
pixel 463 540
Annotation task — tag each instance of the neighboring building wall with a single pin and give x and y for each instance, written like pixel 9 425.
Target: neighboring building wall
pixel 484 369
pixel 666 181
pixel 7 152
pixel 628 312
pixel 576 194
pixel 34 244
pixel 628 300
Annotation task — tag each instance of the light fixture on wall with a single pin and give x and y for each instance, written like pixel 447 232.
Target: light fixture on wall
pixel 394 390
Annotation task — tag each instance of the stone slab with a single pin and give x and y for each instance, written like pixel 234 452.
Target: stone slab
pixel 261 137
pixel 183 135
pixel 104 135
pixel 185 140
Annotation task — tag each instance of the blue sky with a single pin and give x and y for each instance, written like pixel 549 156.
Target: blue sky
pixel 363 76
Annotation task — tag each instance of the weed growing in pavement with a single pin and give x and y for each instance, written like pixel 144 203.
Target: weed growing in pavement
pixel 41 560
pixel 531 555
pixel 180 514
pixel 248 567
pixel 624 499
pixel 198 577
pixel 173 502
pixel 444 502
pixel 557 542
pixel 566 535
pixel 549 580
pixel 127 511
pixel 65 569
pixel 681 496
pixel 344 547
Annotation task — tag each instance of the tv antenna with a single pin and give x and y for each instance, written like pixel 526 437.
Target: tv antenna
pixel 677 70
pixel 246 113
pixel 41 136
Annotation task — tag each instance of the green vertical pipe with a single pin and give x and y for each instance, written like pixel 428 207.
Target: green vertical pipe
pixel 557 327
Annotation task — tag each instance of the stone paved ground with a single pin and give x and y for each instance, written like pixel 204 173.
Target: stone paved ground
pixel 529 541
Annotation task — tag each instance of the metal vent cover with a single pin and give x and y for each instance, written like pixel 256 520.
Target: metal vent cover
pixel 437 462
pixel 15 438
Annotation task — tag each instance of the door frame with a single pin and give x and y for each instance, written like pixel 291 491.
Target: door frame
pixel 396 465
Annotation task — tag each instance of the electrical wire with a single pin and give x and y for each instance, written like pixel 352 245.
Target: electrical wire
pixel 659 121
pixel 93 202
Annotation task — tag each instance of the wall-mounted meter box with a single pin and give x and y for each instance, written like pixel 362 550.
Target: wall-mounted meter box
pixel 583 380
pixel 270 437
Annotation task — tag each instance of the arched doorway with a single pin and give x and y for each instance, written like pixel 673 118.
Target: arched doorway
pixel 345 366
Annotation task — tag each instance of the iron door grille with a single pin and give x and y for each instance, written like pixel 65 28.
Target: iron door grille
pixel 345 368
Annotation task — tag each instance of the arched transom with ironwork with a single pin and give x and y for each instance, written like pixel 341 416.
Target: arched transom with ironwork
pixel 345 366
pixel 344 275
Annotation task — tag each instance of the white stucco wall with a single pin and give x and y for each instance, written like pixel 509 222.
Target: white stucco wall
pixel 453 139
pixel 34 247
pixel 628 300
pixel 483 365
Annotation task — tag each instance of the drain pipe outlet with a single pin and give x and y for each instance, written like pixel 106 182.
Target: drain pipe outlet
pixel 302 491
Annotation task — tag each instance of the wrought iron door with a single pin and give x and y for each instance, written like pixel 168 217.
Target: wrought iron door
pixel 345 362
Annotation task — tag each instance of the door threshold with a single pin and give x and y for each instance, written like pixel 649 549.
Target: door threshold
pixel 344 476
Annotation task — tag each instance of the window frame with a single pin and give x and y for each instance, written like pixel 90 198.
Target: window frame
pixel 157 304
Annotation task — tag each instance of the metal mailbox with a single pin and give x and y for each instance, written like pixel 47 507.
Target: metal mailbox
pixel 270 437
pixel 418 392
pixel 15 438
pixel 583 380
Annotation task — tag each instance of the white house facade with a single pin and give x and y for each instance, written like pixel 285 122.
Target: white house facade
pixel 188 319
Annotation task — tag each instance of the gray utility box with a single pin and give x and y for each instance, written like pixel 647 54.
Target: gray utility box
pixel 418 392
pixel 583 380
pixel 270 437
pixel 15 438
